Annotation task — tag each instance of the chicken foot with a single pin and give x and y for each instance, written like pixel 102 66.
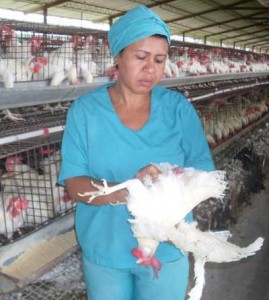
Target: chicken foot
pixel 12 116
pixel 103 189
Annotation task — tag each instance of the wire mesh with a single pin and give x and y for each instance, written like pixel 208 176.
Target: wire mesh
pixel 38 52
pixel 200 59
pixel 26 119
pixel 63 282
pixel 30 196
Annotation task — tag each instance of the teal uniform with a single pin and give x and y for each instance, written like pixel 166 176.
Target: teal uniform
pixel 97 144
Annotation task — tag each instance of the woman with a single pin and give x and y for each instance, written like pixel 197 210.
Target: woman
pixel 116 132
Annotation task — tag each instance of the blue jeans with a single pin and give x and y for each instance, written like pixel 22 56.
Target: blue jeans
pixel 137 283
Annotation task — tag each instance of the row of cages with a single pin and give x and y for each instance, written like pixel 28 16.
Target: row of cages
pixel 225 117
pixel 60 55
pixel 30 197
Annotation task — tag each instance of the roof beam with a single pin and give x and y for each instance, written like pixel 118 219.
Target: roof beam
pixel 232 29
pixel 250 39
pixel 44 7
pixel 260 18
pixel 111 17
pixel 221 23
pixel 242 34
pixel 257 44
pixel 89 8
pixel 264 47
pixel 260 44
pixel 220 7
pixel 244 8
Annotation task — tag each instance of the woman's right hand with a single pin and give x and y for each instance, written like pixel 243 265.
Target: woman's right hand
pixel 150 170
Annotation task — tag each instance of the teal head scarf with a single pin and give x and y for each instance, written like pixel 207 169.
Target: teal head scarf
pixel 137 24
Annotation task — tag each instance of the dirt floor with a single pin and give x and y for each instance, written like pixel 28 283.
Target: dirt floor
pixel 247 279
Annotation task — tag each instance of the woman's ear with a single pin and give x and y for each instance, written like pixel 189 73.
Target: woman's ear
pixel 116 58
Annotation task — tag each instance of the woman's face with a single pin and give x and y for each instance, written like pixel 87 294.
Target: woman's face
pixel 141 65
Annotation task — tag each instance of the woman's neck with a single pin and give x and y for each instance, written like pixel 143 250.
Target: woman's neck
pixel 132 109
pixel 121 95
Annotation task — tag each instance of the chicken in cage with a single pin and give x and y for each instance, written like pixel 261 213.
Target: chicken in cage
pixel 57 55
pixel 30 195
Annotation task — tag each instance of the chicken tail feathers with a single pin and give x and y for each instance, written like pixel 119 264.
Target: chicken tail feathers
pixel 237 253
pixel 252 248
pixel 199 274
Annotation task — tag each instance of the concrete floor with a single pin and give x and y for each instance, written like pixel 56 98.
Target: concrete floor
pixel 247 279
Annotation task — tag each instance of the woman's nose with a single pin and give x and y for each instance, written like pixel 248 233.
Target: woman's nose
pixel 150 66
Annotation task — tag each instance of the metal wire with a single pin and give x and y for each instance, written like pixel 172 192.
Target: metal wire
pixel 32 118
pixel 29 172
pixel 35 52
pixel 63 282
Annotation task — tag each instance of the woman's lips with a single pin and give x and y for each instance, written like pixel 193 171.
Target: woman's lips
pixel 146 82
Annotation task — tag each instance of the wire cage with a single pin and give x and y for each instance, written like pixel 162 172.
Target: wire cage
pixel 60 55
pixel 30 159
pixel 200 59
pixel 30 196
pixel 71 56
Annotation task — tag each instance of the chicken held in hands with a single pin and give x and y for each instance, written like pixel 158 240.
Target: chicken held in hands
pixel 159 207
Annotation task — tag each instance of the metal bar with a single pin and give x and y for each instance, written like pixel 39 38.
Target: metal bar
pixel 220 92
pixel 253 38
pixel 233 29
pixel 223 22
pixel 242 34
pixel 111 17
pixel 28 135
pixel 39 8
pixel 30 95
pixel 220 7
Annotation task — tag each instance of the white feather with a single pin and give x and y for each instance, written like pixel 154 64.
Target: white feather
pixel 57 78
pixel 159 210
pixel 199 271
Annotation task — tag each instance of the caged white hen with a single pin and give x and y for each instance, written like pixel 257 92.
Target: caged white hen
pixel 159 208
pixel 12 213
pixel 45 198
pixel 51 166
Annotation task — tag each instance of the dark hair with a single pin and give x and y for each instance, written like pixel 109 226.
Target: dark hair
pixel 160 36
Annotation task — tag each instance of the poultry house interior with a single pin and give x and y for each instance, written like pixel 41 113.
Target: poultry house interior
pixel 44 70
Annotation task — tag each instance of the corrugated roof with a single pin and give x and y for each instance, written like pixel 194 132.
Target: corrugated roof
pixel 236 23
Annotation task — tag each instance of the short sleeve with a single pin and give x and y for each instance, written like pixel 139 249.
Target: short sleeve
pixel 74 144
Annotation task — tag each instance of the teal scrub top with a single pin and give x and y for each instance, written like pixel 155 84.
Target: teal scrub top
pixel 97 144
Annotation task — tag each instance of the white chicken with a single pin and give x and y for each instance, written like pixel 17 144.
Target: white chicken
pixel 14 63
pixel 56 65
pixel 23 181
pixel 82 55
pixel 12 70
pixel 159 209
pixel 40 205
pixel 171 69
pixel 45 198
pixel 18 174
pixel 12 213
pixel 57 195
pixel 56 68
